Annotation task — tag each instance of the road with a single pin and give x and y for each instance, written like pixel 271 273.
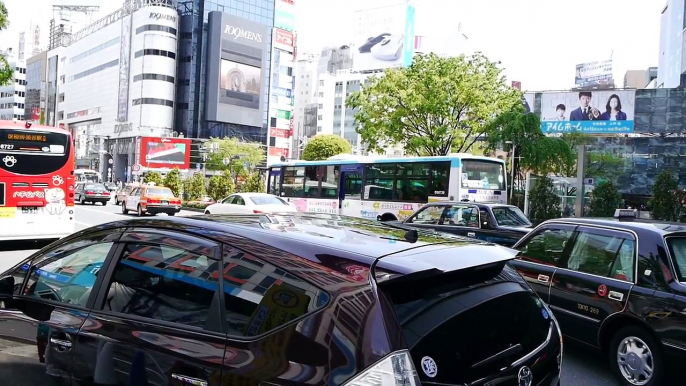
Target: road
pixel 581 366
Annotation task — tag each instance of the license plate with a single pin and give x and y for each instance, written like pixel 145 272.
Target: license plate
pixel 165 202
pixel 29 210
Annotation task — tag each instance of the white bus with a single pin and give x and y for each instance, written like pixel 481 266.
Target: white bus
pixel 86 175
pixel 387 189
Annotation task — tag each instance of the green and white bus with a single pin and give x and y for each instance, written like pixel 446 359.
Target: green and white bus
pixel 387 189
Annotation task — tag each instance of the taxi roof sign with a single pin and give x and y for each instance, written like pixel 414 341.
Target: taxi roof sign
pixel 626 214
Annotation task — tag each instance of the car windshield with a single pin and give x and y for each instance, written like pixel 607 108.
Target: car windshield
pixel 164 192
pixel 267 200
pixel 510 216
pixel 677 248
pixel 95 187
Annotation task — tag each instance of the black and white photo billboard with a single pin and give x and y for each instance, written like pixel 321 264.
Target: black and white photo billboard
pixel 235 70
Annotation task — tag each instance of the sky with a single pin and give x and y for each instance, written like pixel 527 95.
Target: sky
pixel 538 42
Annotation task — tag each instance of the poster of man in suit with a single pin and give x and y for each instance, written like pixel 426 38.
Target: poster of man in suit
pixel 591 112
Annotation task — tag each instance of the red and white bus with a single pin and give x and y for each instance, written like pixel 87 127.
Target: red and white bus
pixel 36 182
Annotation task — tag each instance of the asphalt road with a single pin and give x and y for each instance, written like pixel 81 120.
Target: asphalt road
pixel 580 366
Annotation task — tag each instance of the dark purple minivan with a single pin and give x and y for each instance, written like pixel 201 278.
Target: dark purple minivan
pixel 292 299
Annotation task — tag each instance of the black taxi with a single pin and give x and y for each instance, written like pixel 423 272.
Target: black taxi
pixel 495 223
pixel 616 285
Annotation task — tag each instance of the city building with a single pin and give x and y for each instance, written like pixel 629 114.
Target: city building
pixel 36 87
pixel 282 96
pixel 192 117
pixel 639 78
pixel 12 96
pixel 671 64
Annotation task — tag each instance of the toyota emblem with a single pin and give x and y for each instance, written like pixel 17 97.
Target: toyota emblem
pixel 525 377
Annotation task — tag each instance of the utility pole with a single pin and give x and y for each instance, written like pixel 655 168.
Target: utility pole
pixel 580 174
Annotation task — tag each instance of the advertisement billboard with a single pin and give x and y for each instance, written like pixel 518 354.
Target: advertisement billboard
pixel 165 152
pixel 124 69
pixel 283 39
pixel 592 112
pixel 284 20
pixel 235 69
pixel 384 37
pixel 592 73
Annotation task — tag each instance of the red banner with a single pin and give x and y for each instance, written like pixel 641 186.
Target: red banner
pixel 165 152
pixel 278 152
pixel 284 37
pixel 279 133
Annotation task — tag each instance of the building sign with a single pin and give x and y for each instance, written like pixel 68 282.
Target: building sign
pixel 161 16
pixel 591 112
pixel 165 152
pixel 517 85
pixel 237 32
pixel 282 92
pixel 593 73
pixel 284 20
pixel 279 133
pixel 123 127
pixel 124 58
pixel 284 37
pixel 278 152
pixel 283 114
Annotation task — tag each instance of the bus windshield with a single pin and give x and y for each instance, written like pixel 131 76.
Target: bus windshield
pixel 33 152
pixel 483 175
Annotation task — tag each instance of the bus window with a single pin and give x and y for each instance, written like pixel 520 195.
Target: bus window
pixel 293 181
pixel 412 182
pixel 381 176
pixel 483 175
pixel 274 182
pixel 440 172
pixel 330 176
pixel 353 185
pixel 311 182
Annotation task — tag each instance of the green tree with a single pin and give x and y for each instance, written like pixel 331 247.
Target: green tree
pixel 154 177
pixel 535 152
pixel 254 183
pixel 667 197
pixel 41 119
pixel 194 187
pixel 605 200
pixel 221 186
pixel 322 147
pixel 599 164
pixel 544 203
pixel 230 153
pixel 173 181
pixel 6 72
pixel 433 107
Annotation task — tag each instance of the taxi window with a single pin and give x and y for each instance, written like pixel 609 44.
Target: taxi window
pixel 430 215
pixel 546 247
pixel 603 255
pixel 465 216
pixel 677 248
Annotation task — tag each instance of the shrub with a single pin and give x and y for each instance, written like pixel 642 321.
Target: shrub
pixel 173 181
pixel 544 202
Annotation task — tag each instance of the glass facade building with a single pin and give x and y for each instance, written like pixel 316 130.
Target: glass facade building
pixel 35 86
pixel 190 94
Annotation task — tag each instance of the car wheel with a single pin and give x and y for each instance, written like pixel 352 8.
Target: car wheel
pixel 116 202
pixel 140 211
pixel 103 203
pixel 82 200
pixel 636 358
pixel 123 208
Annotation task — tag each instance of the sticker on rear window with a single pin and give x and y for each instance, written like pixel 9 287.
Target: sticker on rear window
pixel 545 314
pixel 429 367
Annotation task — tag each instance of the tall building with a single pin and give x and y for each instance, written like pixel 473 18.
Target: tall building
pixel 191 115
pixel 12 96
pixel 36 87
pixel 639 78
pixel 671 62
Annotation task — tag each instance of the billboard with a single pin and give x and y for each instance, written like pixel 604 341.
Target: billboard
pixel 592 112
pixel 589 74
pixel 384 37
pixel 235 70
pixel 124 69
pixel 165 152
pixel 284 38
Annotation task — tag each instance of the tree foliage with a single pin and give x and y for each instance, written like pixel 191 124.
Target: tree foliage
pixel 173 181
pixel 667 197
pixel 194 187
pixel 235 153
pixel 605 200
pixel 6 72
pixel 254 183
pixel 535 152
pixel 322 147
pixel 435 106
pixel 599 164
pixel 154 177
pixel 544 203
pixel 221 186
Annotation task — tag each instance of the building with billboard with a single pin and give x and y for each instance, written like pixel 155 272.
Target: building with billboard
pixel 13 95
pixel 594 75
pixel 282 96
pixel 200 111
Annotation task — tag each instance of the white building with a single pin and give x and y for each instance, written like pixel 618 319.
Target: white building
pixel 670 63
pixel 12 96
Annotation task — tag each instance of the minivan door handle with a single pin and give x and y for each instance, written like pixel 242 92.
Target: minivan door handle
pixel 471 234
pixel 543 278
pixel 61 341
pixel 189 380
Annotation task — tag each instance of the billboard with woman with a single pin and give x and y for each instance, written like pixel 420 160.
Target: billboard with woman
pixel 591 112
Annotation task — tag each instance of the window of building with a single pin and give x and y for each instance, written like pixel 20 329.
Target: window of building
pixel 94 70
pixel 165 78
pixel 320 106
pixel 155 52
pixel 152 101
pixel 155 27
pixel 94 50
pixel 321 94
pixel 61 97
pixel 320 117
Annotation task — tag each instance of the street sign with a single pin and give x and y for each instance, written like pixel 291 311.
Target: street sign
pixel 136 167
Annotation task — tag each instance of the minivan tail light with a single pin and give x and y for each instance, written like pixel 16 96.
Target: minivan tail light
pixel 396 369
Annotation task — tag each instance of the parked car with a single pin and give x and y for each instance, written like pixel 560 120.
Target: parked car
pixel 150 199
pixel 203 202
pixel 122 193
pixel 616 285
pixel 241 203
pixel 496 223
pixel 91 193
pixel 223 300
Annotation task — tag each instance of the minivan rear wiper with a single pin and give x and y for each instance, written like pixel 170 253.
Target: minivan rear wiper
pixel 513 350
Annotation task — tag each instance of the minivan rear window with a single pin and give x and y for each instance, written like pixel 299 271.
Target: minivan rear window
pixel 468 317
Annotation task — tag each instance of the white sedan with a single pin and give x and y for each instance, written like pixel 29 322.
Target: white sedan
pixel 248 203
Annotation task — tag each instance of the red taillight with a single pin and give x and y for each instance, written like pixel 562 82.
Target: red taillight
pixel 153 201
pixel 106 193
pixel 176 202
pixel 90 192
pixel 257 211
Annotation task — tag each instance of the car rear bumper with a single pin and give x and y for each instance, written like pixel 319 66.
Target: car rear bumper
pixel 158 208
